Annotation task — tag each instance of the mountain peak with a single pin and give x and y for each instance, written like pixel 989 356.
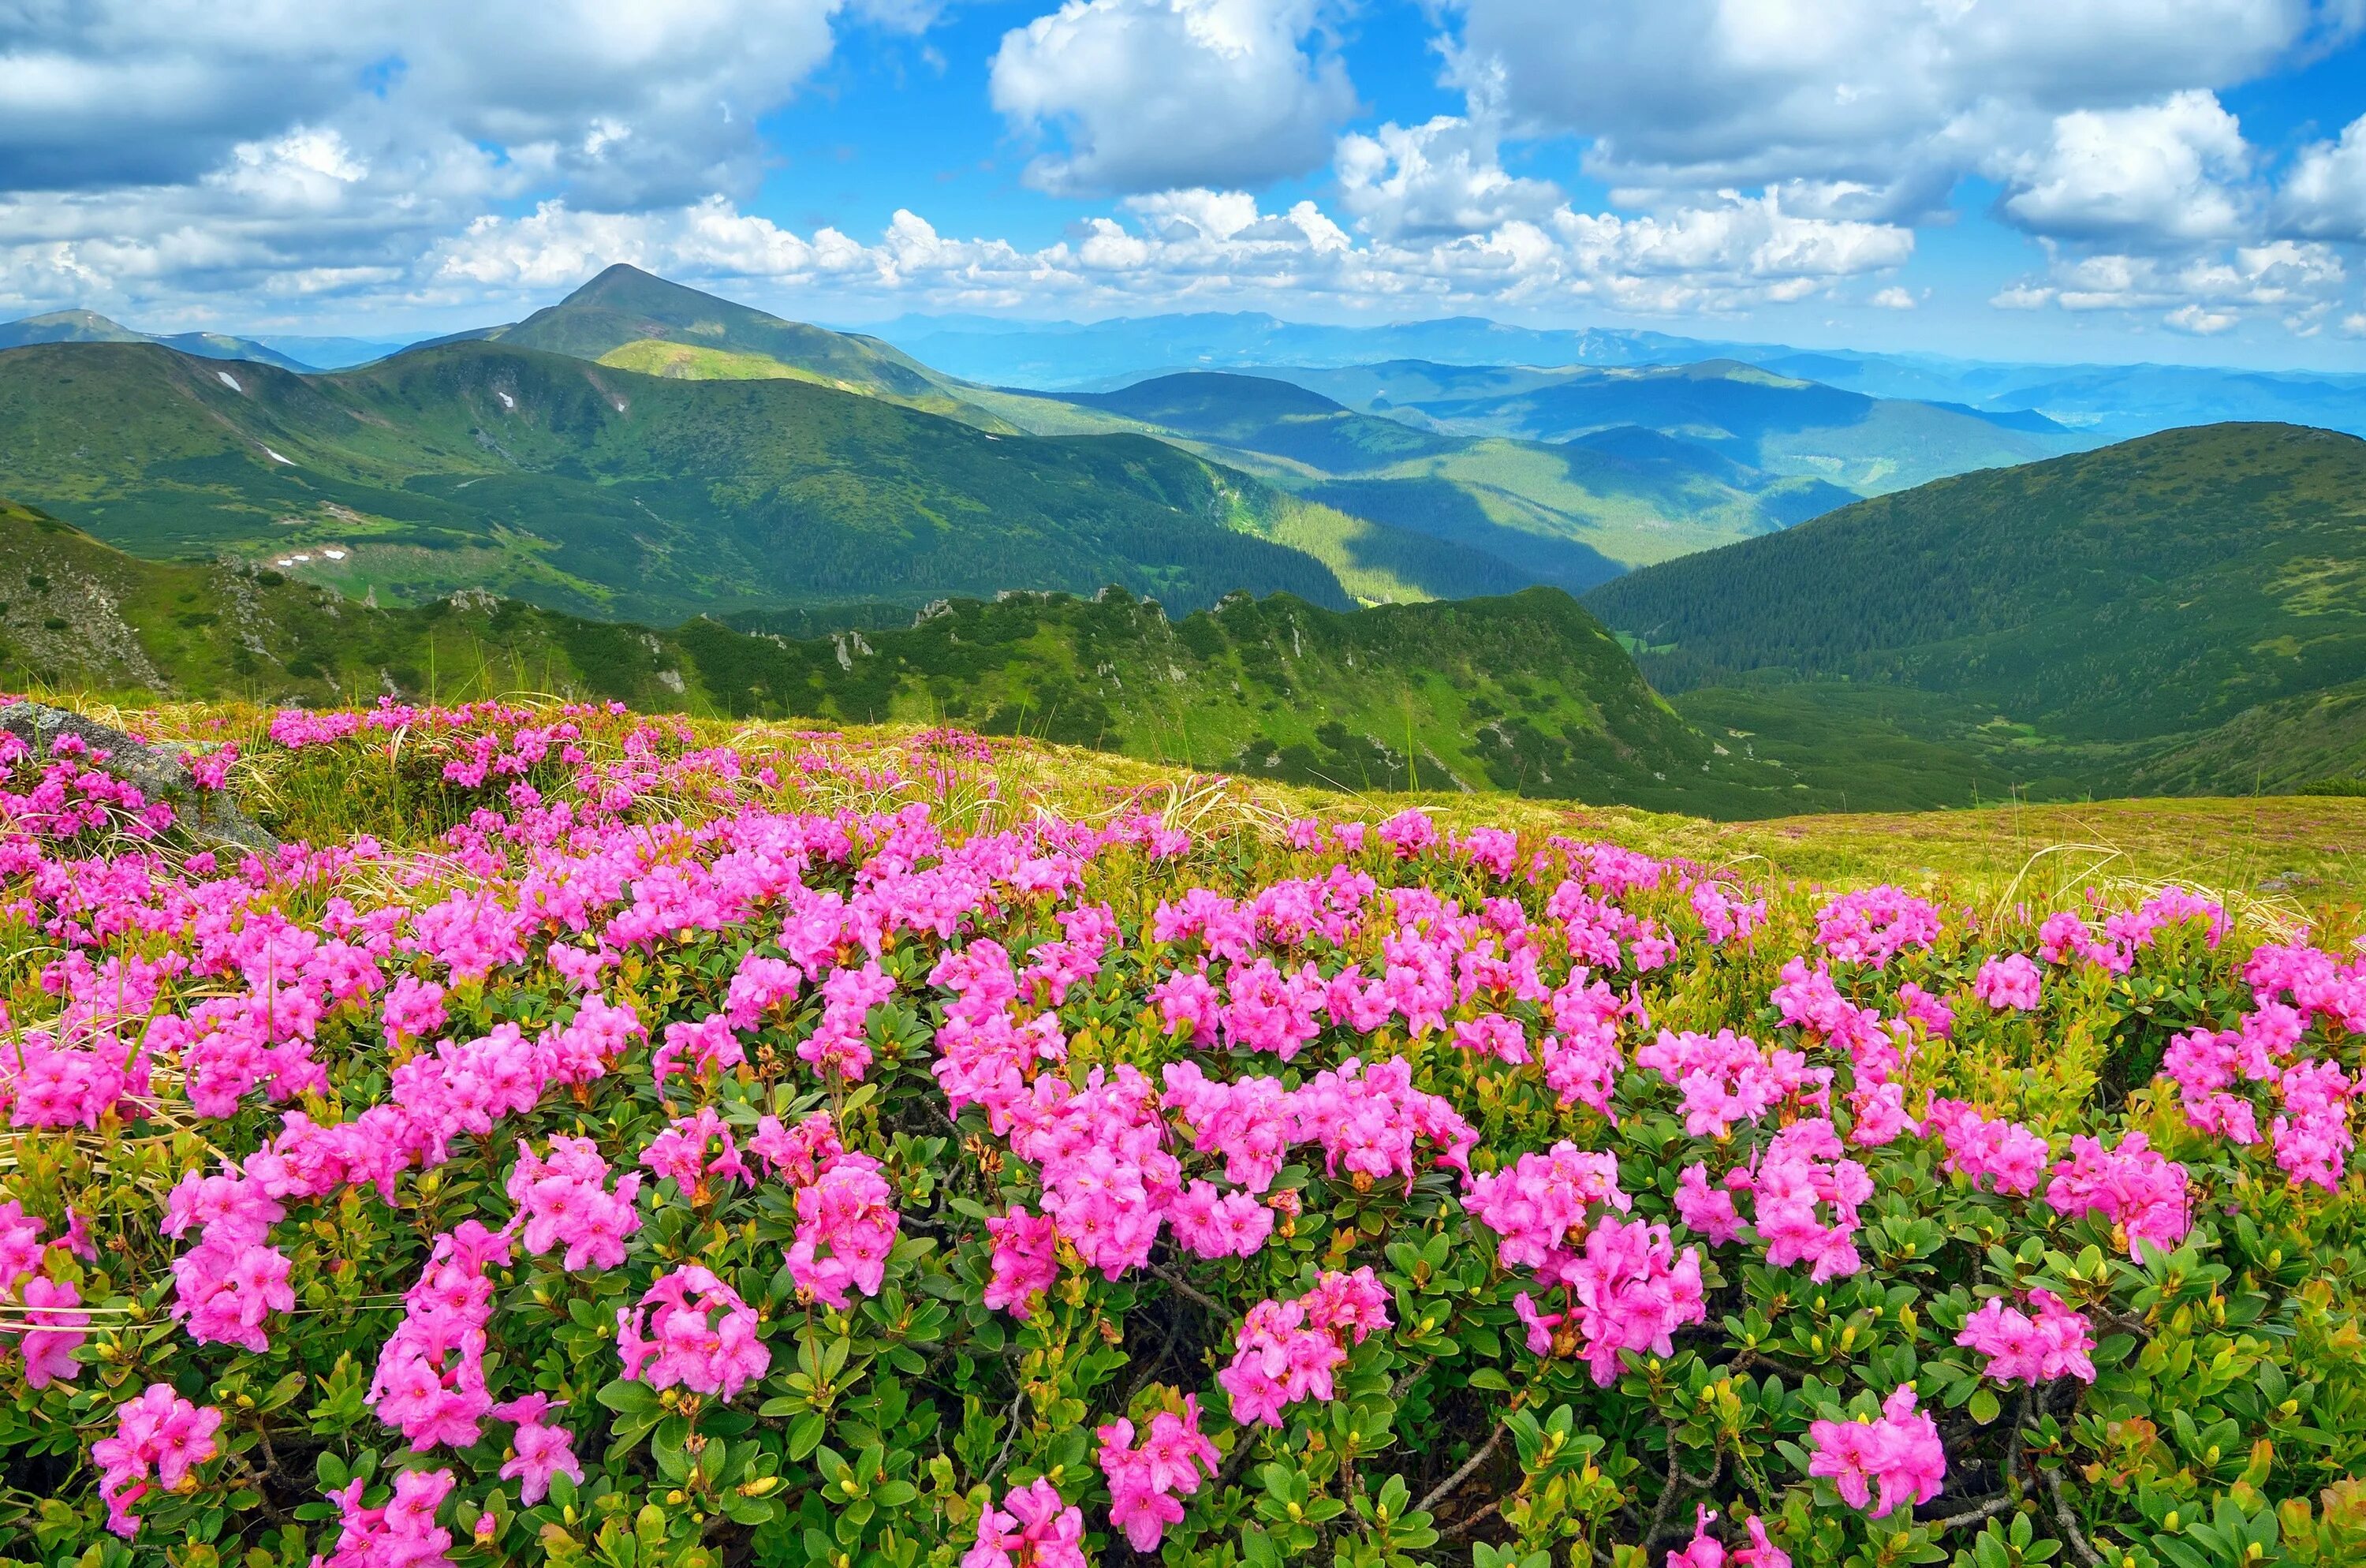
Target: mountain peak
pixel 66 326
pixel 624 287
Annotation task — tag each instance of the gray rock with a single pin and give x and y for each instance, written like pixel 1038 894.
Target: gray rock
pixel 159 772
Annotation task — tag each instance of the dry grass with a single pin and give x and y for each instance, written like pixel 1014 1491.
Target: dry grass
pixel 2286 861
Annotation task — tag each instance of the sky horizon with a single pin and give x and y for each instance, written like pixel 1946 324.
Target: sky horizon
pixel 2105 181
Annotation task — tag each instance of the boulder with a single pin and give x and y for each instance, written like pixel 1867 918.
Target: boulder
pixel 160 771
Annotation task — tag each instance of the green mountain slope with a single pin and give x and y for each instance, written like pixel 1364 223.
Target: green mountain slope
pixel 1525 693
pixel 1570 515
pixel 1271 417
pixel 89 326
pixel 2165 613
pixel 605 491
pixel 636 321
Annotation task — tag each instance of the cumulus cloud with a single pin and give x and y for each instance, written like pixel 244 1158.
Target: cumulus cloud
pixel 1152 95
pixel 2324 197
pixel 1442 177
pixel 2301 279
pixel 2158 174
pixel 1895 99
pixel 2199 321
pixel 630 102
pixel 1201 245
pixel 1894 300
pixel 2100 122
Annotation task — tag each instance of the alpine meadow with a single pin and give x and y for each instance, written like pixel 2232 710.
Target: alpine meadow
pixel 1252 783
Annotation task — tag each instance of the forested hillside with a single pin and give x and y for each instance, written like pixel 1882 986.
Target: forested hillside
pixel 2106 609
pixel 607 492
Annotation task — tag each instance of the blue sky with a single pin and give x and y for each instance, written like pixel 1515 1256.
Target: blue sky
pixel 2091 179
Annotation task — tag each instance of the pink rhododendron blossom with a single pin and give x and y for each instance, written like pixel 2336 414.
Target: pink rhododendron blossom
pixel 1219 1224
pixel 2009 982
pixel 679 1154
pixel 1875 925
pixel 2033 1350
pixel 1025 1261
pixel 565 1203
pixel 846 1226
pixel 1144 1481
pixel 49 1330
pixel 159 1436
pixel 1035 1528
pixel 401 1532
pixel 1900 1454
pixel 693 1330
pixel 2142 1194
pixel 2005 1153
pixel 1543 1206
pixel 431 1371
pixel 538 1449
pixel 1286 1351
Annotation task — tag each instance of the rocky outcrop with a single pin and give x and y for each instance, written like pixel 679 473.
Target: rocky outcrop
pixel 159 772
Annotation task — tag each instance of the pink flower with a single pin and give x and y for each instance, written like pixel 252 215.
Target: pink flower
pixel 837 1045
pixel 401 1533
pixel 1875 925
pixel 2141 1193
pixel 2006 1153
pixel 1632 1290
pixel 564 1204
pixel 157 1434
pixel 1025 1261
pixel 1900 1454
pixel 1220 1224
pixel 692 1329
pixel 537 1449
pixel 1493 1036
pixel 1033 1529
pixel 2011 981
pixel 846 1226
pixel 679 1155
pixel 710 1043
pixel 1144 1481
pixel 1286 1351
pixel 2037 1349
pixel 1542 1205
pixel 1707 1210
pixel 1704 1551
pixel 54 1331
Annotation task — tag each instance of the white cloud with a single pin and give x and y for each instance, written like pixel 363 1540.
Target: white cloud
pixel 1154 95
pixel 627 101
pixel 1896 98
pixel 2198 322
pixel 1442 177
pixel 154 152
pixel 2324 197
pixel 2157 174
pixel 1894 300
pixel 1202 246
pixel 2200 293
pixel 2354 325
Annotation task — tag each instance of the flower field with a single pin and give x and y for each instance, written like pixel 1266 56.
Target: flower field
pixel 598 1140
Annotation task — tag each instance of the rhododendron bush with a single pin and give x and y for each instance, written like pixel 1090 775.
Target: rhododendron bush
pixel 653 1147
